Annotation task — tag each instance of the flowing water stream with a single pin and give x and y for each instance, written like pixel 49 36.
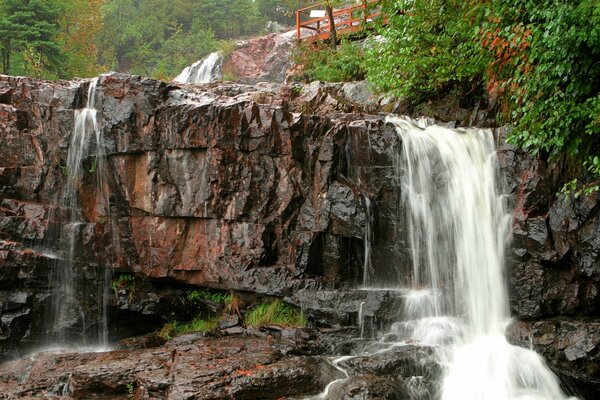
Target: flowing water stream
pixel 78 315
pixel 458 229
pixel 207 70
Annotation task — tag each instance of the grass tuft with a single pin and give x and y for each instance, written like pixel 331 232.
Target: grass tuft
pixel 174 329
pixel 275 313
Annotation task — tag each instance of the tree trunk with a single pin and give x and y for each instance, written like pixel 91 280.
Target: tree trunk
pixel 6 59
pixel 332 30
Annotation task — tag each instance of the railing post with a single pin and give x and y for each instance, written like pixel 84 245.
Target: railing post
pixel 298 24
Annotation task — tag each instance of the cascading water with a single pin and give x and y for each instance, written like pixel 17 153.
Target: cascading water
pixel 459 229
pixel 72 300
pixel 207 70
pixel 368 241
pixel 456 300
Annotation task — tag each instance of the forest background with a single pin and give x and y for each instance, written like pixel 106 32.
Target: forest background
pixel 63 39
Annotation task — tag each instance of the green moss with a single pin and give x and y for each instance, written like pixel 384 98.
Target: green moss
pixel 211 295
pixel 320 63
pixel 275 313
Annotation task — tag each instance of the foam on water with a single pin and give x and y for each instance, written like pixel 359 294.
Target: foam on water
pixel 459 228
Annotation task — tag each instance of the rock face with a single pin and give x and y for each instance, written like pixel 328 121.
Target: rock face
pixel 554 269
pixel 263 59
pixel 223 189
pixel 264 189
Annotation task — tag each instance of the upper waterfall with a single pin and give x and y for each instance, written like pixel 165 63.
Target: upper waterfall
pixel 207 70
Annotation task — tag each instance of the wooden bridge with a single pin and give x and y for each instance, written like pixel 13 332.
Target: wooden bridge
pixel 348 19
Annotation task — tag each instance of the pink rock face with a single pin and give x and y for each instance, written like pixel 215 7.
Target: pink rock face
pixel 262 59
pixel 206 188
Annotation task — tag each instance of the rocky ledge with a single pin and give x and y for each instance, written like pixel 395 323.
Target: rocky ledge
pixel 232 367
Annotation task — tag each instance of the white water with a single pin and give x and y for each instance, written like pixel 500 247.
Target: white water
pixel 368 241
pixel 459 228
pixel 457 301
pixel 207 70
pixel 67 304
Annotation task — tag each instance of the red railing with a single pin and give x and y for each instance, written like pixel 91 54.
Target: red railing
pixel 347 19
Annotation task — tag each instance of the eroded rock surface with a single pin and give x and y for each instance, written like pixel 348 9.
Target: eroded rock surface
pixel 188 367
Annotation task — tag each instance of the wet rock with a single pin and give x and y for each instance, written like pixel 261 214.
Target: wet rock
pixel 229 321
pixel 404 372
pixel 263 59
pixel 571 347
pixel 342 306
pixel 191 368
pixel 359 92
pixel 257 188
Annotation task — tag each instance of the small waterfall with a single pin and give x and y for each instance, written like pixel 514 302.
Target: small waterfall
pixel 361 319
pixel 72 299
pixel 459 229
pixel 368 242
pixel 207 70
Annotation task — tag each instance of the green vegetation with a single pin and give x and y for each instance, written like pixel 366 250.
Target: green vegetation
pixel 272 313
pixel 124 281
pixel 210 295
pixel 174 329
pixel 321 63
pixel 540 61
pixel 55 39
pixel 275 313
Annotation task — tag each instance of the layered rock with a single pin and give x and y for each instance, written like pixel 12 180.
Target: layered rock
pixel 263 189
pixel 218 188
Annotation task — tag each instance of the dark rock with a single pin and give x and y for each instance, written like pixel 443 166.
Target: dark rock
pixel 229 321
pixel 342 306
pixel 572 348
pixel 257 189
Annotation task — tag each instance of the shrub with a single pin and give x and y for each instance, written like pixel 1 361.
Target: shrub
pixel 321 63
pixel 123 281
pixel 540 60
pixel 210 295
pixel 428 46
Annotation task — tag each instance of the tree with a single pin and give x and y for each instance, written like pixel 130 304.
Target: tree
pixel 332 30
pixel 29 24
pixel 80 24
pixel 539 60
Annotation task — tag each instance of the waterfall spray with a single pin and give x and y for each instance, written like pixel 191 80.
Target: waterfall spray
pixel 459 228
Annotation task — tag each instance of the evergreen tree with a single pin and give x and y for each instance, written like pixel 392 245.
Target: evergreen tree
pixel 29 25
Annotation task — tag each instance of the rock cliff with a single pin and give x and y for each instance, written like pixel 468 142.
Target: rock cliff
pixel 264 189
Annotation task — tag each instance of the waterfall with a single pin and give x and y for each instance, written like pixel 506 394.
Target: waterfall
pixel 458 231
pixel 368 241
pixel 207 70
pixel 77 310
